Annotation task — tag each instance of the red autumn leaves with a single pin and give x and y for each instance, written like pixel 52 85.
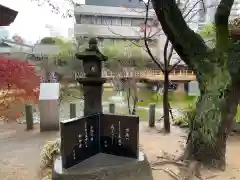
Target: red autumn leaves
pixel 19 83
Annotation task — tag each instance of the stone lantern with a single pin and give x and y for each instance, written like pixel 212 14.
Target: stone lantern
pixel 92 82
pixel 91 148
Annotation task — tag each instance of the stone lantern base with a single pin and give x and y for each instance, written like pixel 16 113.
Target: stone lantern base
pixel 93 90
pixel 105 167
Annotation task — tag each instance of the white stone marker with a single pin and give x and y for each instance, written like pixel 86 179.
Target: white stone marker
pixel 49 106
pixel 193 88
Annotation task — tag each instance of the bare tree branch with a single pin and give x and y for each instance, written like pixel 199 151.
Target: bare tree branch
pixel 145 40
pixel 192 9
pixel 169 10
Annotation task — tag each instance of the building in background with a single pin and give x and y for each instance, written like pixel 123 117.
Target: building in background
pixel 207 16
pixel 113 24
pixel 118 20
pixel 116 3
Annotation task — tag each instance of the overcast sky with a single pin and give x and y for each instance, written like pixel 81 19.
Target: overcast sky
pixel 32 19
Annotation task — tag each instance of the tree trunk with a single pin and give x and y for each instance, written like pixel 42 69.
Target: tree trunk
pixel 166 103
pixel 215 112
pixel 217 104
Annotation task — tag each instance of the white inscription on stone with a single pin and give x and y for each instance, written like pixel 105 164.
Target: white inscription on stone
pixel 80 140
pixel 74 154
pixel 91 133
pixel 126 135
pixel 86 135
pixel 105 144
pixel 112 132
pixel 119 134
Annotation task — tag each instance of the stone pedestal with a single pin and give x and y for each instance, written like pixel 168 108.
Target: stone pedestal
pixel 49 115
pixel 105 167
pixel 92 90
pixel 49 107
pixel 180 87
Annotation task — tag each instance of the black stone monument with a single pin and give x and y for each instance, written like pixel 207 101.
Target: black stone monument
pixel 119 135
pixel 99 146
pixel 99 133
pixel 79 139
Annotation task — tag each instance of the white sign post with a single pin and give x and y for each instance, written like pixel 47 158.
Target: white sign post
pixel 193 88
pixel 48 106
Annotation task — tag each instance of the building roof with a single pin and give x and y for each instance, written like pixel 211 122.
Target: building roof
pixel 7 15
pixel 12 43
pixel 112 11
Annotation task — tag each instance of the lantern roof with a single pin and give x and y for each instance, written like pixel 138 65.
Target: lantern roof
pixel 91 52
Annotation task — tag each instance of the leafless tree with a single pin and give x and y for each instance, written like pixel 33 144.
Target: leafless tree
pixel 132 95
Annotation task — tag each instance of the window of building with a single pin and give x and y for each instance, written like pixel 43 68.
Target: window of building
pixel 116 21
pixel 78 19
pixel 126 22
pixel 106 21
pixel 137 22
pixel 86 19
pixel 97 19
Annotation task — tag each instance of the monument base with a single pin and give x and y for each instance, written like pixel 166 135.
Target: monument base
pixel 105 167
pixel 49 115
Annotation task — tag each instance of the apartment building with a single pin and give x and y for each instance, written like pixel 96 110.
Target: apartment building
pixel 111 23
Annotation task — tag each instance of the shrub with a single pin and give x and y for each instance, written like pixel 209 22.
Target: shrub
pixel 188 116
pixel 48 154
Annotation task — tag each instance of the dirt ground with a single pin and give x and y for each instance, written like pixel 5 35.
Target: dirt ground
pixel 20 150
